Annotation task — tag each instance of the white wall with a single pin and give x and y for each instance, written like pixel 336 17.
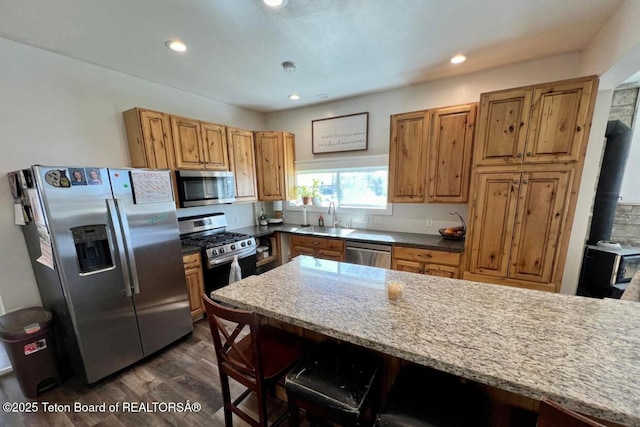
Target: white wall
pixel 59 111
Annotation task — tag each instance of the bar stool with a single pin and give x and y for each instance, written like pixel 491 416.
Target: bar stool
pixel 335 381
pixel 422 397
pixel 256 359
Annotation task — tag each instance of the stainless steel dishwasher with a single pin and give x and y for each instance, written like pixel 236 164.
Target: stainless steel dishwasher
pixel 372 254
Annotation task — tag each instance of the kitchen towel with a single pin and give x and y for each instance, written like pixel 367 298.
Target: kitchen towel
pixel 235 274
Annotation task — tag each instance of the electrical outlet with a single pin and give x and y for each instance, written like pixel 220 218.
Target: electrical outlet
pixel 429 222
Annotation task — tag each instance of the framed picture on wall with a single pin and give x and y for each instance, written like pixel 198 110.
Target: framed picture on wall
pixel 342 133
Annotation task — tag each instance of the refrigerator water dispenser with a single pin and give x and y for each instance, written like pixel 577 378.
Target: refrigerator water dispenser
pixel 92 248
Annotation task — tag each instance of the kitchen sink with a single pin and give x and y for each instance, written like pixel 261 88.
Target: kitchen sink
pixel 324 231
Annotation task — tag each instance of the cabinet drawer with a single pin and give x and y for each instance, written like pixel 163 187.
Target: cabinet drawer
pixel 317 242
pixel 191 261
pixel 332 255
pixel 426 255
pixel 442 270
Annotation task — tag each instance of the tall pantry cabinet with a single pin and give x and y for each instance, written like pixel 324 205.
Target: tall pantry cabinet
pixel 530 147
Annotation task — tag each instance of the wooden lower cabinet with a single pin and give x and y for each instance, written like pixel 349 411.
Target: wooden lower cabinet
pixel 516 227
pixel 426 261
pixel 318 247
pixel 195 284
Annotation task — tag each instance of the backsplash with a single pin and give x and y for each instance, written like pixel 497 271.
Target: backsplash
pixel 626 225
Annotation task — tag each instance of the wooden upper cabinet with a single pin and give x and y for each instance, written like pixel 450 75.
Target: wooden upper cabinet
pixel 539 124
pixel 275 165
pixel 408 157
pixel 149 137
pixel 290 166
pixel 242 163
pixel 430 155
pixel 187 142
pixel 450 148
pixel 502 127
pixel 199 145
pixel 214 146
pixel 517 224
pixel 560 122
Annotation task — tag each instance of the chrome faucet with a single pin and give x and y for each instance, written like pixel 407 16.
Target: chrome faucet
pixel 333 214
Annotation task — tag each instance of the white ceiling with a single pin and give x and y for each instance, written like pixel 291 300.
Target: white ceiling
pixel 341 48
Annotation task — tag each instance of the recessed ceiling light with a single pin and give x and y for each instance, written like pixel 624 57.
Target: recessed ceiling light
pixel 275 3
pixel 458 59
pixel 176 45
pixel 294 96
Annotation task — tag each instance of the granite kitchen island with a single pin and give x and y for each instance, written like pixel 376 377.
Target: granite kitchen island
pixel 580 352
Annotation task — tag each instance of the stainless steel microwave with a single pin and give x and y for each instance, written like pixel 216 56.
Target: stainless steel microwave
pixel 201 188
pixel 606 271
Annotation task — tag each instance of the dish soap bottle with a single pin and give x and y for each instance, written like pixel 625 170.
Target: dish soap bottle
pixel 321 221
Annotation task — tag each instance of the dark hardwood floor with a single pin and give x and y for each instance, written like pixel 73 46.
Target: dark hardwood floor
pixel 185 371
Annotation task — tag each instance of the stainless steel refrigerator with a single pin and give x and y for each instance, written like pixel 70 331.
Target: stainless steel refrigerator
pixel 105 248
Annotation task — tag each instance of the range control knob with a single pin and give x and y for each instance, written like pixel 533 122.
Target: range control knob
pixel 214 251
pixel 249 242
pixel 233 247
pixel 243 244
pixel 221 250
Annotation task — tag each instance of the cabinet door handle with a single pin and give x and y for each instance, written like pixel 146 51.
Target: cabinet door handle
pixel 519 155
pixel 525 181
pixel 515 181
pixel 529 153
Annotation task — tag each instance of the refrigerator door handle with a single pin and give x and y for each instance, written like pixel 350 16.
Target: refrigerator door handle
pixel 127 237
pixel 117 226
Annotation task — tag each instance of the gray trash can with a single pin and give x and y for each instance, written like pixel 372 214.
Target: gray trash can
pixel 27 335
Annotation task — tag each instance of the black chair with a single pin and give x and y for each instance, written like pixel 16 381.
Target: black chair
pixel 256 358
pixel 334 381
pixel 423 397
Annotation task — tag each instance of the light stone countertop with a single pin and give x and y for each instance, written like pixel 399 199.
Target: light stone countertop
pixel 581 352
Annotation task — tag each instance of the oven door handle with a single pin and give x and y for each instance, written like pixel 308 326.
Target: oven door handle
pixel 212 263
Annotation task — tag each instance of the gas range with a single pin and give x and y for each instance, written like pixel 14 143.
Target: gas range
pixel 209 233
